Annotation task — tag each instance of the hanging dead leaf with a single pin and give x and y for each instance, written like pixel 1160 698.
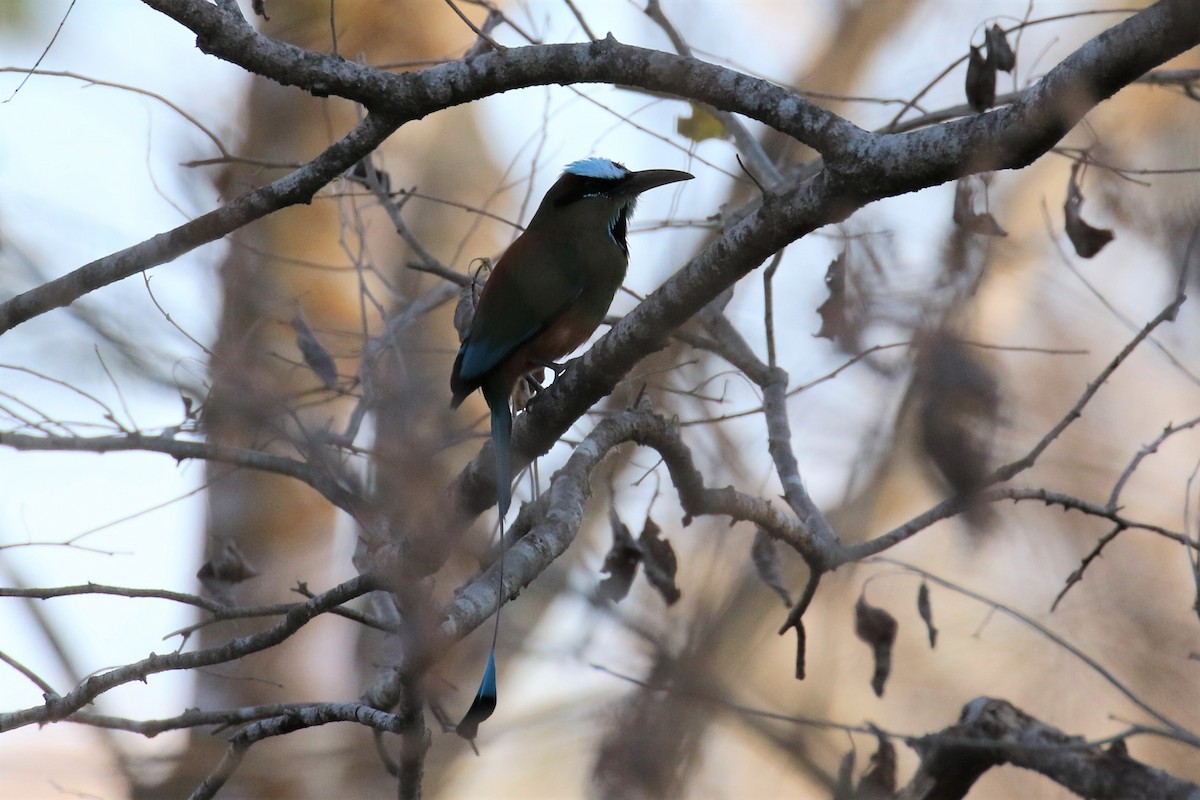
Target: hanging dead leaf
pixel 833 310
pixel 1086 239
pixel 315 356
pixel 658 559
pixel 879 781
pixel 365 173
pixel 801 645
pixel 999 51
pixel 965 215
pixel 227 566
pixel 621 563
pixel 958 416
pixel 844 788
pixel 878 629
pixel 925 609
pixel 766 563
pixel 981 81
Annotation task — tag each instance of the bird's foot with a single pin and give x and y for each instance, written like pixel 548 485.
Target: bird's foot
pixel 532 384
pixel 553 365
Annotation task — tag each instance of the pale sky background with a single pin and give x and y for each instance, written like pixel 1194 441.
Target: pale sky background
pixel 85 171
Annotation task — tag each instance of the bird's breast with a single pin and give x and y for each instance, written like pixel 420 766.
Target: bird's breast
pixel 564 335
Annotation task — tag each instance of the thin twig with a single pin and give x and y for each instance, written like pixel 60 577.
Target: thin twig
pixel 1072 503
pixel 475 28
pixel 769 306
pixel 1077 576
pixel 579 18
pixel 59 708
pixel 1010 470
pixel 33 677
pixel 208 133
pixel 1147 450
pixel 45 51
pixel 1178 730
pixel 747 143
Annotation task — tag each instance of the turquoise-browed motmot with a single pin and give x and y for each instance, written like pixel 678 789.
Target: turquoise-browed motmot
pixel 546 296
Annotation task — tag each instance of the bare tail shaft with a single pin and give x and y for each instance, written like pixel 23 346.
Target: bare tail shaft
pixel 485 698
pixel 502 444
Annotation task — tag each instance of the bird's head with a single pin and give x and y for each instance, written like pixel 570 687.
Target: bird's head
pixel 596 191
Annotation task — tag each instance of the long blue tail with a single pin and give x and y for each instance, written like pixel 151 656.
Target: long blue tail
pixel 485 698
pixel 484 703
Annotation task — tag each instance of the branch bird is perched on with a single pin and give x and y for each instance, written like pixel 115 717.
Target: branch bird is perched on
pixel 547 294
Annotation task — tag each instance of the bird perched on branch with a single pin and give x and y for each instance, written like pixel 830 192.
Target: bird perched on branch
pixel 546 295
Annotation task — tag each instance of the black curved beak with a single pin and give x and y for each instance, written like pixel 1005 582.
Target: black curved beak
pixel 638 182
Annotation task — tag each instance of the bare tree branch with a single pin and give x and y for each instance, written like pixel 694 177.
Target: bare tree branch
pixel 61 707
pixel 315 474
pixel 991 733
pixel 856 168
pixel 297 187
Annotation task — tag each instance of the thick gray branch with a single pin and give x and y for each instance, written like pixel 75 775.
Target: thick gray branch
pixel 563 505
pixel 859 166
pixel 874 167
pixel 992 733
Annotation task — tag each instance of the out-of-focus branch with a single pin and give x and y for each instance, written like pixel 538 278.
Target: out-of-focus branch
pixel 33 677
pixel 124 87
pixel 293 718
pixel 414 740
pixel 58 708
pixel 952 506
pixel 194 717
pixel 296 187
pixel 315 474
pixel 991 733
pixel 217 609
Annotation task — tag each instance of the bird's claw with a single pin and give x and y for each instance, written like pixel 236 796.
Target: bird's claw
pixel 555 366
